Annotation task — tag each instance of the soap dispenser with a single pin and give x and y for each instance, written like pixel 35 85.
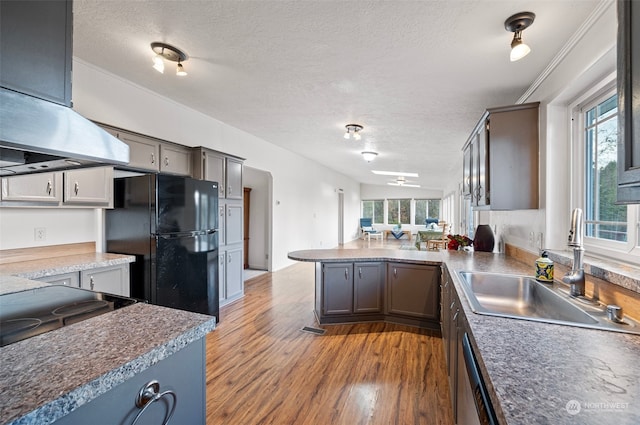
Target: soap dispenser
pixel 544 268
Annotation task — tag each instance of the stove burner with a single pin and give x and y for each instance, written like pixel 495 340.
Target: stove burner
pixel 13 326
pixel 81 307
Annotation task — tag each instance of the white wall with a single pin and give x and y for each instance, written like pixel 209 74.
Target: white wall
pixel 62 226
pixel 304 192
pixel 591 58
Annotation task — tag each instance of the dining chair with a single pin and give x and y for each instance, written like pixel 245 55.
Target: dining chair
pixel 443 241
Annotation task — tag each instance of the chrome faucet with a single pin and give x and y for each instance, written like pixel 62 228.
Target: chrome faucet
pixel 575 277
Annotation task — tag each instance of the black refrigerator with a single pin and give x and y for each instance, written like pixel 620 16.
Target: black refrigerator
pixel 170 224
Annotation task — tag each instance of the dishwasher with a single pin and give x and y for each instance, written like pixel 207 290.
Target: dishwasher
pixel 474 405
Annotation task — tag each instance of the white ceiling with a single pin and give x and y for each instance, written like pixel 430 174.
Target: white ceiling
pixel 416 74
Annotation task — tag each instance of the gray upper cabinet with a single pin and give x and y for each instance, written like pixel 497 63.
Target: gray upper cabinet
pixel 40 188
pixel 628 105
pixel 234 178
pixel 503 152
pixel 89 186
pixel 176 159
pixel 36 48
pixel 144 152
pixel 222 168
pixel 151 154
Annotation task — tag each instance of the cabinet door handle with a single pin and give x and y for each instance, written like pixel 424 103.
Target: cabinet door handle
pixel 229 190
pixel 346 274
pixel 395 272
pixel 76 188
pixel 455 316
pixel 360 272
pixel 91 282
pixel 166 161
pixel 221 211
pixel 153 158
pixel 229 258
pixel 49 187
pixel 148 395
pixel 452 304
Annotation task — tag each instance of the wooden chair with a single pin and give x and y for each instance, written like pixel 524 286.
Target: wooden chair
pixel 443 241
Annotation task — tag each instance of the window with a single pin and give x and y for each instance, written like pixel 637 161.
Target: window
pixel 374 210
pixel 603 219
pixel 426 208
pixel 610 229
pixel 399 211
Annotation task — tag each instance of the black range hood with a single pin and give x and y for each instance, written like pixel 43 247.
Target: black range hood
pixel 37 135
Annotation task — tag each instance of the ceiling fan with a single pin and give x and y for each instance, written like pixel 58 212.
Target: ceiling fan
pixel 402 181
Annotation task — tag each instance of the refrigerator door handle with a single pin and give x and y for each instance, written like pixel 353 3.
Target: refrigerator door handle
pixel 186 234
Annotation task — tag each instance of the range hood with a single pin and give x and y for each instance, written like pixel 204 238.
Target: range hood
pixel 37 135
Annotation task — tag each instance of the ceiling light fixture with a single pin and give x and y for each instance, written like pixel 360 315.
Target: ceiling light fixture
pixel 353 130
pixel 516 24
pixel 394 173
pixel 369 156
pixel 166 51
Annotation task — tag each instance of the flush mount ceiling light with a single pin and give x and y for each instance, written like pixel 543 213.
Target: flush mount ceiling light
pixel 401 181
pixel 369 156
pixel 353 130
pixel 516 24
pixel 164 52
pixel 394 173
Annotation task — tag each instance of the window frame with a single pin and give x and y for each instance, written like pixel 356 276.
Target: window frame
pixel 628 251
pixel 373 219
pixel 399 200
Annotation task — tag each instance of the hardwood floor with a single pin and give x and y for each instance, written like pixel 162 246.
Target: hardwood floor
pixel 262 369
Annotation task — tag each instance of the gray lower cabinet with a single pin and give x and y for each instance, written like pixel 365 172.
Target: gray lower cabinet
pixel 183 374
pixel 368 285
pixel 337 291
pixel 110 279
pixel 67 279
pixel 413 290
pixel 230 271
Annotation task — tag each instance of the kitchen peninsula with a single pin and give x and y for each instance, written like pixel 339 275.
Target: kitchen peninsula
pixel 534 372
pixel 95 368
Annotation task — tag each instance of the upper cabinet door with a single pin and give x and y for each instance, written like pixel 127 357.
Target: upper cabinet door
pixel 629 110
pixel 40 187
pixel 234 179
pixel 144 152
pixel 36 48
pixel 90 186
pixel 175 159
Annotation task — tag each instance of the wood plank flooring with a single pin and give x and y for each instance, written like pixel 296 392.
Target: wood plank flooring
pixel 262 369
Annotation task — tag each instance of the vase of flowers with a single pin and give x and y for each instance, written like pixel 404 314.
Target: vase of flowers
pixel 457 242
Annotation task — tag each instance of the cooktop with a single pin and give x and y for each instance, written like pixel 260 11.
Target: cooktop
pixel 35 311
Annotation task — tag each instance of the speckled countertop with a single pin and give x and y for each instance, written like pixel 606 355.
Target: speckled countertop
pixel 35 269
pixel 47 376
pixel 535 370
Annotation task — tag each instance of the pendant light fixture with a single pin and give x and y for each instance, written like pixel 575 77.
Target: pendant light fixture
pixel 164 52
pixel 516 24
pixel 353 130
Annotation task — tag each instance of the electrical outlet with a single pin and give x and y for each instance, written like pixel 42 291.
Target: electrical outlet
pixel 40 234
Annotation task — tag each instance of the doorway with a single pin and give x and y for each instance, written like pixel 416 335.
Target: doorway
pixel 258 217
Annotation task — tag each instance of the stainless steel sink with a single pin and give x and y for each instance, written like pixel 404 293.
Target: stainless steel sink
pixel 522 297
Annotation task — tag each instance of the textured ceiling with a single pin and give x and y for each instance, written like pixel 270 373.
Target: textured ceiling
pixel 416 74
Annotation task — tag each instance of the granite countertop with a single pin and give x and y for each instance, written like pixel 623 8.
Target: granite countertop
pixel 534 370
pixel 374 254
pixel 47 376
pixel 35 269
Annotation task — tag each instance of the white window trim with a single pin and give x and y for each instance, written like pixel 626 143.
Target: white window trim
pixel 621 251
